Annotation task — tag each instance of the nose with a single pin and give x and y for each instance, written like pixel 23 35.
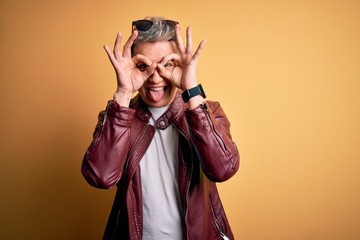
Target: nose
pixel 155 77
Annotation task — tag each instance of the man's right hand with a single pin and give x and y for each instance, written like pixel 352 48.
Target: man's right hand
pixel 131 72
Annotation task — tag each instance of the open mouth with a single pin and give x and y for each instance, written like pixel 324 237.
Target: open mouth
pixel 156 93
pixel 157 89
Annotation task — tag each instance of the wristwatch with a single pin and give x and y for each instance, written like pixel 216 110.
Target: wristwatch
pixel 192 92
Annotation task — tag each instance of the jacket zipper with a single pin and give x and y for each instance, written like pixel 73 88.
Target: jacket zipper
pixel 220 141
pixel 217 223
pixel 188 185
pixel 142 134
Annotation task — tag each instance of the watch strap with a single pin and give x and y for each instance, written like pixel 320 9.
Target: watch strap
pixel 192 92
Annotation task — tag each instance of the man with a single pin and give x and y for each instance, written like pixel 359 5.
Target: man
pixel 165 148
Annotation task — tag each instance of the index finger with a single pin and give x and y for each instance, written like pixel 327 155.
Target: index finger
pixel 141 58
pixel 169 57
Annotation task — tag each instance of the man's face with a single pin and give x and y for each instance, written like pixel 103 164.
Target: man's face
pixel 157 91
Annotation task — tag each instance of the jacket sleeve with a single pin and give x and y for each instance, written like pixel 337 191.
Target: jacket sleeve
pixel 104 159
pixel 210 131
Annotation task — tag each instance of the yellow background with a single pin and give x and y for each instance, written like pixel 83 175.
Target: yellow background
pixel 286 72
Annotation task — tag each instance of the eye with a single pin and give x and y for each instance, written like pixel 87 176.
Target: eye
pixel 170 65
pixel 142 66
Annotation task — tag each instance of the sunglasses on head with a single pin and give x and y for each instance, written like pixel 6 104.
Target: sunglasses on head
pixel 145 25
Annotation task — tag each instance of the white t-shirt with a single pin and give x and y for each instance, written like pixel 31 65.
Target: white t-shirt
pixel 162 217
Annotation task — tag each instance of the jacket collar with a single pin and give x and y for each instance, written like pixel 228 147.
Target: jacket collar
pixel 172 115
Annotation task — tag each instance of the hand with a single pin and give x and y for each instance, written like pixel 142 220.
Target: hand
pixel 128 74
pixel 184 73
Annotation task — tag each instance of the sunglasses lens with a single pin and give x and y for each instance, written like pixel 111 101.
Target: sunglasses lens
pixel 171 24
pixel 143 25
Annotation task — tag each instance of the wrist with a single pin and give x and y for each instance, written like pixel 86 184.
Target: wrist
pixel 123 97
pixel 189 86
pixel 194 102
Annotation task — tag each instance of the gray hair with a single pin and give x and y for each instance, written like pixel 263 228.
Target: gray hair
pixel 158 32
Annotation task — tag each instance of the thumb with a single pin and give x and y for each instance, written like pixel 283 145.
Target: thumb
pixel 150 69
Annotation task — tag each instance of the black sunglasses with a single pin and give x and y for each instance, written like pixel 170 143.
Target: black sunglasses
pixel 145 25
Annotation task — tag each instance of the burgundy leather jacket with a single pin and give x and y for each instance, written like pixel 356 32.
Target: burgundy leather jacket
pixel 207 155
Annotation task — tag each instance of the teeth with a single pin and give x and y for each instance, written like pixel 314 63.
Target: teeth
pixel 156 89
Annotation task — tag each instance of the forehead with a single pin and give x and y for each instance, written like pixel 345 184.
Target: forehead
pixel 155 51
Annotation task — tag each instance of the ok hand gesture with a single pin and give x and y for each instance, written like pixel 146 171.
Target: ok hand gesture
pixel 184 74
pixel 129 77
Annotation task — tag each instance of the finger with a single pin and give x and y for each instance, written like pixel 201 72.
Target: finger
pixel 174 75
pixel 139 58
pixel 150 70
pixel 179 41
pixel 189 41
pixel 168 57
pixel 163 72
pixel 198 50
pixel 117 45
pixel 129 43
pixel 110 54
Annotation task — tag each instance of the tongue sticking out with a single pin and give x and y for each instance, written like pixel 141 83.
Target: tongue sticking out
pixel 156 94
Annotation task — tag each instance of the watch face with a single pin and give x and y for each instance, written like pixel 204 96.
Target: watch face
pixel 187 94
